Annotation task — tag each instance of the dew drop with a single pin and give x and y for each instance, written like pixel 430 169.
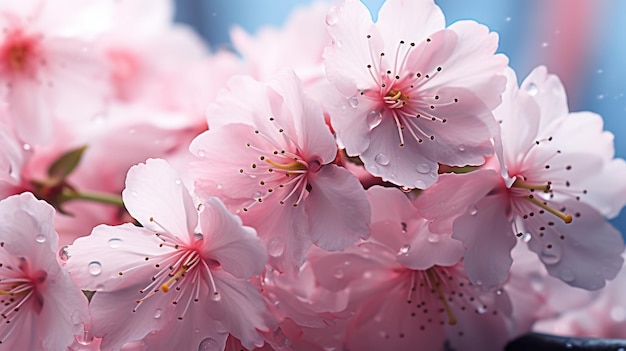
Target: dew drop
pixel 433 238
pixel 423 168
pixel 526 237
pixel 157 313
pixel 404 250
pixel 216 296
pixel 532 89
pixel 219 186
pixel 404 227
pixel 94 267
pixel 374 118
pixel 482 309
pixel 134 193
pixel 420 184
pixel 178 181
pixel 26 147
pixel 201 153
pixel 40 238
pixel 567 275
pixel 331 17
pixel 338 273
pixel 64 254
pixel 353 101
pixel 200 207
pixel 550 256
pixel 499 292
pixel 382 159
pixel 461 147
pixel 276 246
pixel 198 236
pixel 472 210
pixel 209 344
pixel 618 314
pixel 99 287
pixel 479 282
pixel 115 243
pixel 338 43
pixel 405 189
pixel 75 317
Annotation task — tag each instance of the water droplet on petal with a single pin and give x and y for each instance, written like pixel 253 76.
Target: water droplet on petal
pixel 433 238
pixel 479 282
pixel 337 43
pixel 482 309
pixel 420 184
pixel 526 237
pixel 532 89
pixel 157 313
pixel 201 153
pixel 338 273
pixel 209 344
pixel 200 207
pixel 405 189
pixel 219 186
pixel 134 193
pixel 618 314
pixel 331 17
pixel 198 236
pixel 64 253
pixel 178 181
pixel 404 250
pixel 216 296
pixel 99 287
pixel 423 168
pixel 382 159
pixel 404 227
pixel 353 101
pixel 94 267
pixel 550 256
pixel 567 275
pixel 499 292
pixel 472 210
pixel 374 118
pixel 26 147
pixel 75 317
pixel 115 243
pixel 276 246
pixel 461 147
pixel 40 238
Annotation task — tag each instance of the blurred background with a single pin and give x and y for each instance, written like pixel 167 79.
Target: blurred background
pixel 582 41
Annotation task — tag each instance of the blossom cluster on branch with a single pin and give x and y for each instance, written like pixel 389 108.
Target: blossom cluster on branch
pixel 336 184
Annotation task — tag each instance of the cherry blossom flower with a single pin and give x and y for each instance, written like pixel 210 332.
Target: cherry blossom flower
pixel 399 300
pixel 42 308
pixel 169 278
pixel 545 197
pixel 412 92
pixel 274 167
pixel 46 61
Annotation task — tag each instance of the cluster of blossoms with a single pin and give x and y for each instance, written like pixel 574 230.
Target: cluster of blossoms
pixel 338 184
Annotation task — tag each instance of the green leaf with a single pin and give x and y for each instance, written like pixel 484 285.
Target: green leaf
pixel 65 165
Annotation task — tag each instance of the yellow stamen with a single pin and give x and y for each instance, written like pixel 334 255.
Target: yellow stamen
pixel 4 292
pixel 435 282
pixel 394 97
pixel 519 183
pixel 566 217
pixel 165 287
pixel 293 166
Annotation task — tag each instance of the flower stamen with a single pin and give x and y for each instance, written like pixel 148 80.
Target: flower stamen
pixel 566 217
pixel 435 283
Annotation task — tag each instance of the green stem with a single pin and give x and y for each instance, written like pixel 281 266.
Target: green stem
pixel 96 197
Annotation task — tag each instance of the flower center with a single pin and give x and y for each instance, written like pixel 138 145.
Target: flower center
pixel 520 184
pixel 395 99
pixel 18 52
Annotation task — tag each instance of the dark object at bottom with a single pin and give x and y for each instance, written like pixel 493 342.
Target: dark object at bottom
pixel 546 342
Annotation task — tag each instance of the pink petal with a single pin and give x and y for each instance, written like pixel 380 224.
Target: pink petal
pixel 409 20
pixel 452 195
pixel 237 248
pixel 337 208
pixel 426 249
pixel 549 94
pixel 584 253
pixel 28 107
pixel 241 309
pixel 95 261
pixel 486 233
pixel 154 191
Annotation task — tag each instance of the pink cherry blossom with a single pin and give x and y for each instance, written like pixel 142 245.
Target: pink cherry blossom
pixel 46 61
pixel 42 308
pixel 398 307
pixel 169 278
pixel 545 197
pixel 412 92
pixel 268 155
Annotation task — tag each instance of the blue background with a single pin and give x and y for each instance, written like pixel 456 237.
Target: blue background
pixel 583 41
